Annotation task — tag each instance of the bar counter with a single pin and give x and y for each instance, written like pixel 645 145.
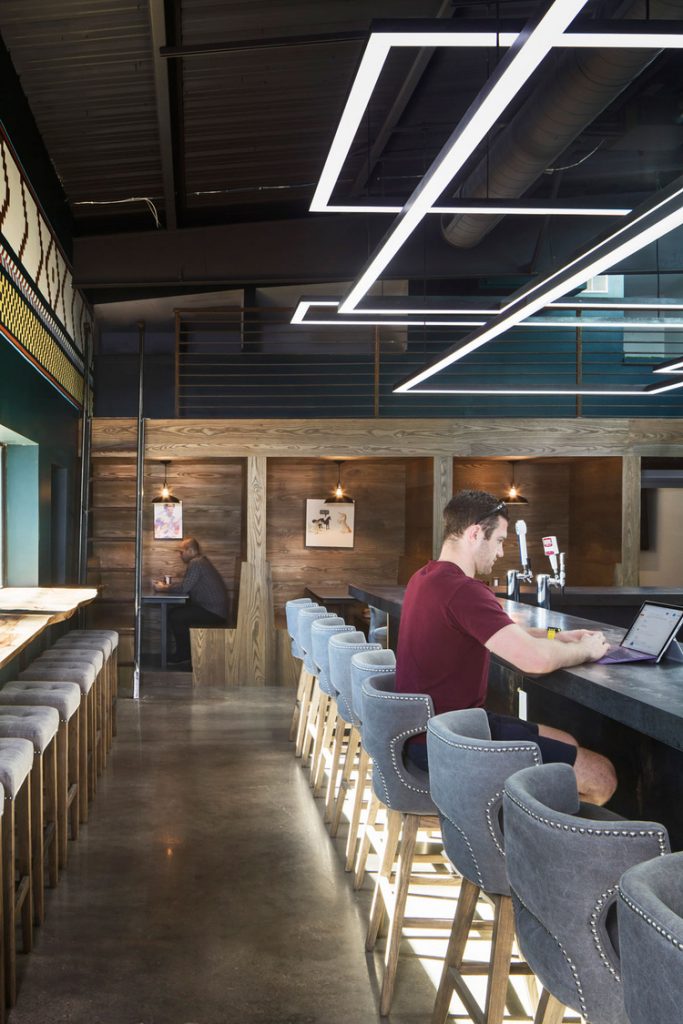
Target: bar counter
pixel 633 713
pixel 25 612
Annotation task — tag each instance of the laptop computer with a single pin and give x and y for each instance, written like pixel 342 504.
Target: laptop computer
pixel 649 636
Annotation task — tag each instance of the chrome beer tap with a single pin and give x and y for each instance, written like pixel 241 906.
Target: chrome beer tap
pixel 514 576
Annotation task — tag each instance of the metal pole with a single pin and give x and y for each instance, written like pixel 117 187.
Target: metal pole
pixel 139 490
pixel 86 436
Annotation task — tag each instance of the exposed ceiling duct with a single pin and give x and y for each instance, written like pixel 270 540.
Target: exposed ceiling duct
pixel 577 88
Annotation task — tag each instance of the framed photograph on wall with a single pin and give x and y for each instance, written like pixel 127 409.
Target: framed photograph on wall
pixel 329 526
pixel 168 520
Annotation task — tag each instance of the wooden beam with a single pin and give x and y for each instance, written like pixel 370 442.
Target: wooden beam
pixel 441 495
pixel 191 439
pixel 630 521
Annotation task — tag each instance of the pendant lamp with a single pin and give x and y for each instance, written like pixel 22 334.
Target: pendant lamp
pixel 513 497
pixel 339 494
pixel 166 495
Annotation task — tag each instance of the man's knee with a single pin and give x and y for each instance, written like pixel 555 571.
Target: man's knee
pixel 596 777
pixel 557 734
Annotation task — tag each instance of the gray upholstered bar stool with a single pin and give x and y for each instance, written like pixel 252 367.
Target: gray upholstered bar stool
pixel 77 656
pixel 378 633
pixel 309 708
pixel 650 916
pixel 16 760
pixel 111 636
pixel 342 649
pixel 389 718
pixel 39 725
pixel 65 698
pixel 564 860
pixel 84 639
pixel 292 609
pixel 467 772
pixel 329 730
pixel 84 676
pixel 365 664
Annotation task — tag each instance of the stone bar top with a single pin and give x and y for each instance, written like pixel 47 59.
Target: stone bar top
pixel 58 602
pixel 641 695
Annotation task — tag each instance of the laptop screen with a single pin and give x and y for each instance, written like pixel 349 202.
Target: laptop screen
pixel 654 627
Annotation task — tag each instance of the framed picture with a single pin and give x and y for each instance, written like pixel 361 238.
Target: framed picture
pixel 329 526
pixel 168 520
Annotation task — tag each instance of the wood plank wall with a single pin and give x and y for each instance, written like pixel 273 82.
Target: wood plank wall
pixel 378 487
pixel 595 542
pixel 418 517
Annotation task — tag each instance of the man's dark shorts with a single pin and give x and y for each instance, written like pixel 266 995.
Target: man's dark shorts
pixel 507 728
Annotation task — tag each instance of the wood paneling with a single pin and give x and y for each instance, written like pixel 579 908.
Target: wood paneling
pixel 418 517
pixel 630 521
pixel 469 438
pixel 443 492
pixel 595 518
pixel 378 489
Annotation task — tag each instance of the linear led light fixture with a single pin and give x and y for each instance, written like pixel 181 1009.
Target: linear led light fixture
pixel 514 70
pixel 366 319
pixel 659 35
pixel 540 392
pixel 661 215
pixel 497 209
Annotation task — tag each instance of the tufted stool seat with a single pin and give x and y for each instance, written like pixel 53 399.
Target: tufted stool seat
pixel 389 718
pixel 106 641
pixel 311 693
pixel 65 698
pixel 84 676
pixel 342 649
pixel 16 761
pixel 564 860
pixel 328 730
pixel 99 651
pixel 292 609
pixel 363 665
pixel 94 701
pixel 40 726
pixel 650 917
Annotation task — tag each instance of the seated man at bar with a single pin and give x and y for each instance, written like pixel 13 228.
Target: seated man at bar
pixel 450 622
pixel 208 604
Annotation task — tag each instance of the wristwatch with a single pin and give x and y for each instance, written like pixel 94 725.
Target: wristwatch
pixel 552 632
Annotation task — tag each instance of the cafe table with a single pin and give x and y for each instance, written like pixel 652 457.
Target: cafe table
pixel 164 601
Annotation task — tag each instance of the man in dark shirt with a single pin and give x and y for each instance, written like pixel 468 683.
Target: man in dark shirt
pixel 208 604
pixel 450 622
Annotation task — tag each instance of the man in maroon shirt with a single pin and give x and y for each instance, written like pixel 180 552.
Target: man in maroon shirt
pixel 450 622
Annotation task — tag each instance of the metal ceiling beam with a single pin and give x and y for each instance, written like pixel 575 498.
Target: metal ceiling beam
pixel 161 87
pixel 397 109
pixel 269 43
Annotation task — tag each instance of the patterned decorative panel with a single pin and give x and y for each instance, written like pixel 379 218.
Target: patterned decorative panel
pixel 41 313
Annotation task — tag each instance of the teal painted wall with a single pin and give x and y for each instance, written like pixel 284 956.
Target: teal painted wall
pixel 30 406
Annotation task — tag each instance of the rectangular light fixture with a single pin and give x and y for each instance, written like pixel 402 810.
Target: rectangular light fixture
pixel 539 392
pixel 490 209
pixel 514 70
pixel 661 215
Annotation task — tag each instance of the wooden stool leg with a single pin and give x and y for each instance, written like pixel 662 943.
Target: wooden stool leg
pixel 303 711
pixel 356 808
pixel 296 711
pixel 83 767
pixel 345 784
pixel 313 711
pixel 392 835
pixel 549 1010
pixel 337 747
pixel 501 955
pixel 37 844
pixel 9 929
pixel 364 848
pixel 464 915
pixel 24 893
pixel 411 824
pixel 62 792
pixel 74 785
pixel 114 689
pixel 92 742
pixel 321 733
pixel 52 812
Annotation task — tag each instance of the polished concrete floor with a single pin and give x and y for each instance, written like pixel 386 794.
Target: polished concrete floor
pixel 205 888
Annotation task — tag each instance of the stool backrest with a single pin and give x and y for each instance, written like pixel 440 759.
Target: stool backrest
pixel 292 609
pixel 467 772
pixel 304 622
pixel 377 662
pixel 389 719
pixel 343 648
pixel 322 631
pixel 564 860
pixel 378 621
pixel 651 940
